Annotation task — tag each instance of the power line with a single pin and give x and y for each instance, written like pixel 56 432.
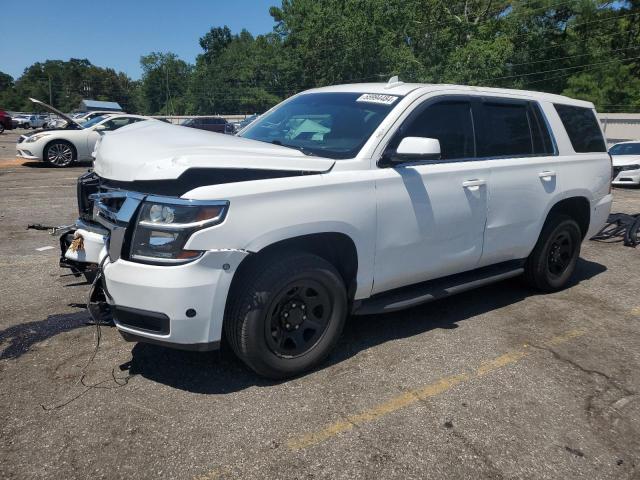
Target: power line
pixel 570 56
pixel 575 25
pixel 555 77
pixel 555 70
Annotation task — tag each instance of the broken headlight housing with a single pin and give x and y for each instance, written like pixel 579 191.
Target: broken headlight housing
pixel 165 224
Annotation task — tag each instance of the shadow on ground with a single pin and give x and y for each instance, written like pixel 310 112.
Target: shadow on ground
pixel 221 372
pixel 38 164
pixel 18 339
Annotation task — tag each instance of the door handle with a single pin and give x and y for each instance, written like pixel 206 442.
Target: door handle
pixel 547 176
pixel 473 184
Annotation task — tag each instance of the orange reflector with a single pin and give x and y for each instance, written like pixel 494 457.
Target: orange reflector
pixel 207 213
pixel 187 254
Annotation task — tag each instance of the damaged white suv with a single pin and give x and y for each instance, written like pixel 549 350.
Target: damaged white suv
pixel 351 199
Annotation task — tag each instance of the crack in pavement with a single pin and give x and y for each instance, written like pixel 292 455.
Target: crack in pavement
pixel 588 371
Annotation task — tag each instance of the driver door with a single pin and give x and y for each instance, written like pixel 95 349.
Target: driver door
pixel 432 213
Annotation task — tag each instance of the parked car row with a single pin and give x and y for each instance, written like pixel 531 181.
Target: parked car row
pixel 211 124
pixel 72 141
pixel 5 121
pixel 218 124
pixel 25 120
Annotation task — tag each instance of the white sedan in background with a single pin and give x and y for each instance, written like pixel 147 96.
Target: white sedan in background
pixel 626 163
pixel 73 142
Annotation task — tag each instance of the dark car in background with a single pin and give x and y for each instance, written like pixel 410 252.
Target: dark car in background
pixel 5 121
pixel 237 126
pixel 213 124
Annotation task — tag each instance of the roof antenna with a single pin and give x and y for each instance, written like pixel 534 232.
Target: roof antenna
pixel 393 82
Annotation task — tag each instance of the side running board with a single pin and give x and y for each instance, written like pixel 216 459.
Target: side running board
pixel 428 291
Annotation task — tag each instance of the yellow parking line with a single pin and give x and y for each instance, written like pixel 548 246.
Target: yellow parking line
pixel 635 311
pixel 413 396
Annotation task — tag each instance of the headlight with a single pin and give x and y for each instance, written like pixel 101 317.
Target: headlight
pixel 36 137
pixel 165 224
pixel 630 167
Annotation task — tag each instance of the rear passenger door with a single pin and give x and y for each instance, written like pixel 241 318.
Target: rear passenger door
pixel 515 140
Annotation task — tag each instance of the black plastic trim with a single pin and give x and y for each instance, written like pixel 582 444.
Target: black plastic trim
pixel 419 293
pixel 194 347
pixel 200 177
pixel 143 320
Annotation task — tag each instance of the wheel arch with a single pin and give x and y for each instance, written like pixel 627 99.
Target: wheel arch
pixel 577 207
pixel 337 248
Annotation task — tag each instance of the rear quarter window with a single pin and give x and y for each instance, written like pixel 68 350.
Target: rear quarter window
pixel 582 127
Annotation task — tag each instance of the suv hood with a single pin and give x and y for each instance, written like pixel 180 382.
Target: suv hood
pixel 622 160
pixel 51 109
pixel 153 150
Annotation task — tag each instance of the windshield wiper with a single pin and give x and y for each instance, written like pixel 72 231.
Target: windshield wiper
pixel 295 147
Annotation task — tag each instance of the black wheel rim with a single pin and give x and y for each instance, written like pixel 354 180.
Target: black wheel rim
pixel 560 254
pixel 298 318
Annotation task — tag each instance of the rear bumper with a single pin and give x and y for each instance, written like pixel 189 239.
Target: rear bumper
pixel 192 297
pixel 599 214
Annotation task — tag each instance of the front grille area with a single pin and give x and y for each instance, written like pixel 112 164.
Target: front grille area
pixel 87 184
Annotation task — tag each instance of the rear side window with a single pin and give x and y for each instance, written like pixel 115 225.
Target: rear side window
pixel 582 127
pixel 505 131
pixel 448 121
pixel 542 143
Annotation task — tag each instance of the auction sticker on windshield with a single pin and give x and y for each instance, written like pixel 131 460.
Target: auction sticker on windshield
pixel 377 98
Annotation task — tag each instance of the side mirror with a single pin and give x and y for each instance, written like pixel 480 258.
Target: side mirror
pixel 100 128
pixel 417 148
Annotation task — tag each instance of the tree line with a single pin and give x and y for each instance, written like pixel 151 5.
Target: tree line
pixel 588 49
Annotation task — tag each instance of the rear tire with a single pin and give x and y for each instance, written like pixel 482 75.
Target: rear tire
pixel 553 260
pixel 285 315
pixel 1 128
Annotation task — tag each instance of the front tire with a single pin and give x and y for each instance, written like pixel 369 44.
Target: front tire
pixel 554 258
pixel 285 315
pixel 59 154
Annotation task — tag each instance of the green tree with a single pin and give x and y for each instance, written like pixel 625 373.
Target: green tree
pixel 165 79
pixel 65 84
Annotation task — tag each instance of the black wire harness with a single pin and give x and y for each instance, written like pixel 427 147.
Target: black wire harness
pixel 620 227
pixel 98 321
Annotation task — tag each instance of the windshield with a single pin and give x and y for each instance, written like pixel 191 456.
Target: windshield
pixel 333 125
pixel 94 121
pixel 625 149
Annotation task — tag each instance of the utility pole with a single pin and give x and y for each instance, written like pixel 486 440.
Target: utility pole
pixel 166 69
pixel 50 96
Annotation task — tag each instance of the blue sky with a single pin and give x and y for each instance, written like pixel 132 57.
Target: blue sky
pixel 115 33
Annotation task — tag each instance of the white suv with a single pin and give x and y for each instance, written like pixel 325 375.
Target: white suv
pixel 351 199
